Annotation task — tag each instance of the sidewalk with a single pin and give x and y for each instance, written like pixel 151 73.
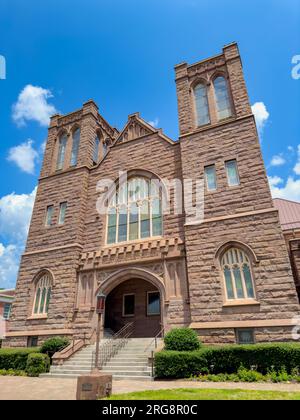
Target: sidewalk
pixel 23 388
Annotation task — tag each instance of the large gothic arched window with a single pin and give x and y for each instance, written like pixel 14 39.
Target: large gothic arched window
pixel 134 211
pixel 237 273
pixel 42 294
pixel 222 98
pixel 75 147
pixel 201 103
pixel 61 151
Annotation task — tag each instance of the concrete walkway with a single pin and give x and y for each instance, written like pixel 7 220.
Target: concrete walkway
pixel 23 388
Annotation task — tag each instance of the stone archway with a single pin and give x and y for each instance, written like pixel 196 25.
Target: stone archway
pixel 133 295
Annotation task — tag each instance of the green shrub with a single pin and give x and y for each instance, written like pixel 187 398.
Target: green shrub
pixel 54 344
pixel 246 375
pixel 283 358
pixel 14 358
pixel 37 363
pixel 179 364
pixel 264 357
pixel 12 372
pixel 182 339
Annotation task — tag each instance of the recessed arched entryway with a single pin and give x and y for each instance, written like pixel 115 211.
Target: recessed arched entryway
pixel 134 295
pixel 137 301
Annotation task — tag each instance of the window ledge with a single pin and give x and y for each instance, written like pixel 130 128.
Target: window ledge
pixel 42 316
pixel 241 302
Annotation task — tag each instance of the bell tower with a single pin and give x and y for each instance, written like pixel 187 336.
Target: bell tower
pixel 219 144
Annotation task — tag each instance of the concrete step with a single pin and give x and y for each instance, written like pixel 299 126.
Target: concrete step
pixel 114 362
pixel 115 377
pixel 127 373
pixel 77 367
pixel 119 372
pixel 126 368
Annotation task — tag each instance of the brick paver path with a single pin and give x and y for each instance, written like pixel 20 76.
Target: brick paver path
pixel 22 388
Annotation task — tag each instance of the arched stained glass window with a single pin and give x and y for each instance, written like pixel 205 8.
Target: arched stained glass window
pixel 61 151
pixel 201 102
pixel 75 147
pixel 237 274
pixel 42 295
pixel 135 211
pixel 222 98
pixel 96 150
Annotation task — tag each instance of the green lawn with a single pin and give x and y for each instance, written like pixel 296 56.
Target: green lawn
pixel 207 394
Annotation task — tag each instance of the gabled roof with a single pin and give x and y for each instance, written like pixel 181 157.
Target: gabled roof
pixel 289 213
pixel 137 127
pixel 7 295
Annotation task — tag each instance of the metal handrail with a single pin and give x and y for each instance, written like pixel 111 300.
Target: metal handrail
pixel 113 345
pixel 161 332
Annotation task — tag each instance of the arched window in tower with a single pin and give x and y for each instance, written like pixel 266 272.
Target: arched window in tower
pixel 222 98
pixel 96 150
pixel 134 211
pixel 201 103
pixel 75 147
pixel 61 151
pixel 104 148
pixel 237 273
pixel 42 294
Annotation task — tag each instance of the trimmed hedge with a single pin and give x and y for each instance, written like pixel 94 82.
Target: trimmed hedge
pixel 179 364
pixel 37 363
pixel 182 339
pixel 54 344
pixel 228 359
pixel 14 358
pixel 265 357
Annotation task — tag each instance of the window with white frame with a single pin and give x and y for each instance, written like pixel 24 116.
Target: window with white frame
pixel 61 151
pixel 42 295
pixel 237 273
pixel 210 177
pixel 75 147
pixel 49 215
pixel 201 103
pixel 62 213
pixel 6 310
pixel 134 211
pixel 222 98
pixel 232 173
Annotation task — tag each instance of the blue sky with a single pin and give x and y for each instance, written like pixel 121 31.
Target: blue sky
pixel 122 53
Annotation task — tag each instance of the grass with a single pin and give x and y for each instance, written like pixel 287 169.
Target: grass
pixel 207 394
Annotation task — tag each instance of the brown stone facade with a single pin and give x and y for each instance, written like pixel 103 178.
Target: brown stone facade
pixel 183 263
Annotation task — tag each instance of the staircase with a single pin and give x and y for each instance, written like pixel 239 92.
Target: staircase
pixel 130 362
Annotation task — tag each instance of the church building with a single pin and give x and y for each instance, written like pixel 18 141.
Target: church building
pixel 226 274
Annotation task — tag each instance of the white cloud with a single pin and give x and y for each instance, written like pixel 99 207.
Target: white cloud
pixel 291 149
pixel 2 248
pixel 275 180
pixel 297 166
pixel 290 190
pixel 24 156
pixel 15 214
pixel 277 160
pixel 9 265
pixel 32 105
pixel 154 123
pixel 261 115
